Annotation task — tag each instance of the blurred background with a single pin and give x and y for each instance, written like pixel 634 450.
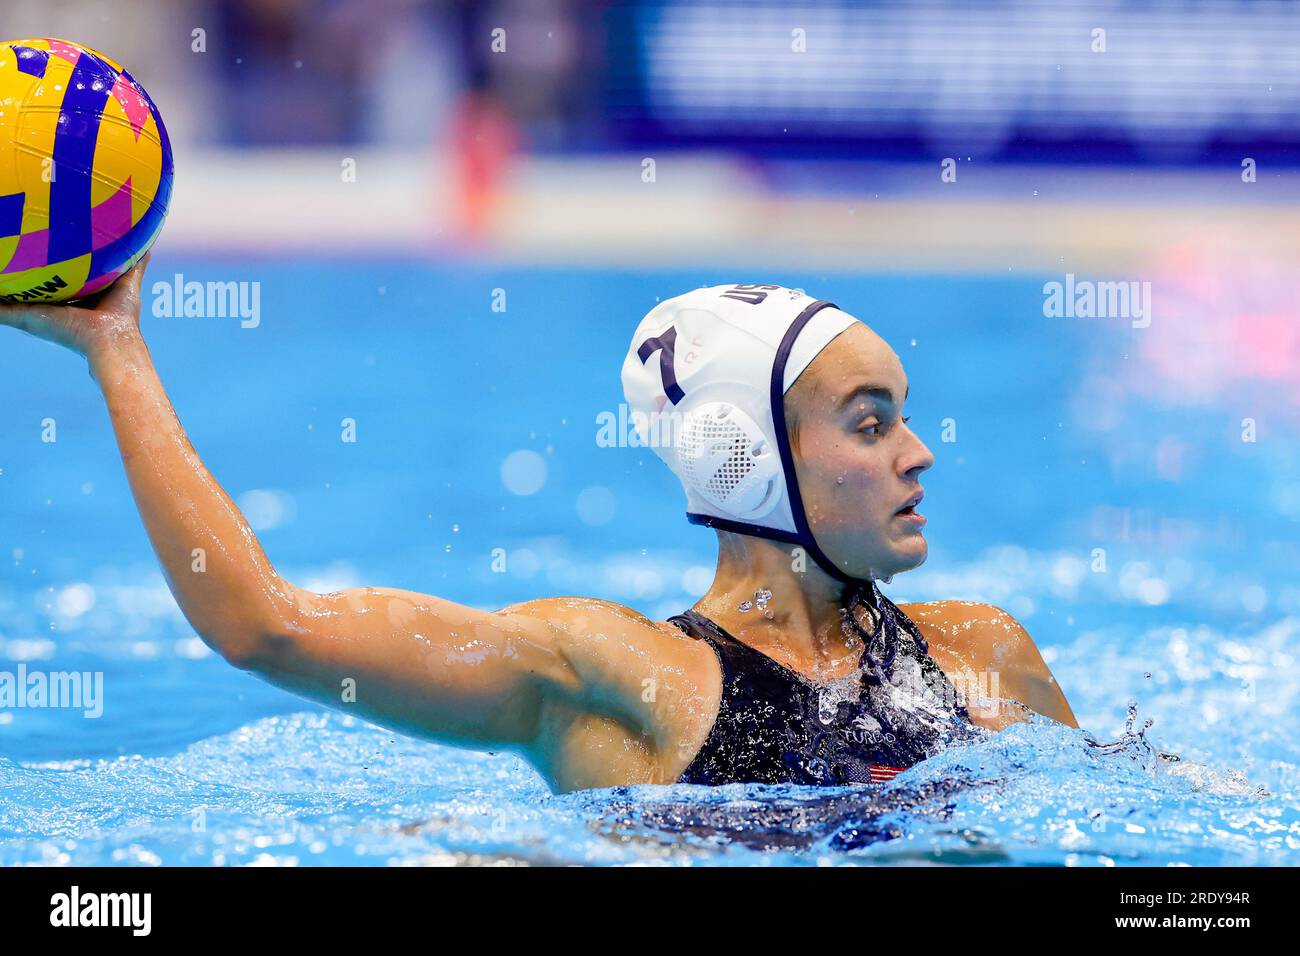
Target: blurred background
pixel 456 213
pixel 809 132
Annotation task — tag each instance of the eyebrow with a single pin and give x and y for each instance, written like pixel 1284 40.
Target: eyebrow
pixel 871 391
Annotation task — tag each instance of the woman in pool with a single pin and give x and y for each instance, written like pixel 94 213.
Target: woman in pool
pixel 787 431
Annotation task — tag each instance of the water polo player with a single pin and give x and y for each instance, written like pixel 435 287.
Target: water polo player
pixel 790 441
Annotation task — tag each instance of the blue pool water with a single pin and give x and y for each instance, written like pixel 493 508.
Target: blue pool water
pixel 1102 486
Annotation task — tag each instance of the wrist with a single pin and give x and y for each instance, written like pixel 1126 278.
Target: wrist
pixel 112 343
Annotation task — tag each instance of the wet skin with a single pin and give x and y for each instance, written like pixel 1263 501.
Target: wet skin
pixel 590 692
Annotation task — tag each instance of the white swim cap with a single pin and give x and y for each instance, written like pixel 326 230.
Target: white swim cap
pixel 705 380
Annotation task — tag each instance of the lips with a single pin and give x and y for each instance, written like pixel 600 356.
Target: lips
pixel 909 513
pixel 909 506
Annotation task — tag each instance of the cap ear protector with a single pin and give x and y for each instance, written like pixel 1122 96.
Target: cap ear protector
pixel 719 360
pixel 727 460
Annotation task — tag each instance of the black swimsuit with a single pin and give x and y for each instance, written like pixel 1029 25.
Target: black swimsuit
pixel 776 726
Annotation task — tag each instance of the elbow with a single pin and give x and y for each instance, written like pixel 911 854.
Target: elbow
pixel 245 651
pixel 260 649
pixel 257 639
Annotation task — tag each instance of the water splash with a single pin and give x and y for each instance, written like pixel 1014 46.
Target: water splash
pixel 203 786
pixel 1134 744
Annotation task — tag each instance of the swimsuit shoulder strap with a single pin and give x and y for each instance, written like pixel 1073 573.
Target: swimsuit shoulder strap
pixel 700 627
pixel 697 625
pixel 735 655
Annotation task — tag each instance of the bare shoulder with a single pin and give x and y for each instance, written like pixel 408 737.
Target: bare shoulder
pixel 600 630
pixel 988 642
pixel 971 631
pixel 643 698
pixel 573 609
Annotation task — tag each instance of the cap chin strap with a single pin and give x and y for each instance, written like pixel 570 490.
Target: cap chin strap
pixel 802 535
pixel 863 590
pixel 887 626
pixel 807 542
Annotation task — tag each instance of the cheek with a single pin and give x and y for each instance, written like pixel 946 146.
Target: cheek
pixel 846 468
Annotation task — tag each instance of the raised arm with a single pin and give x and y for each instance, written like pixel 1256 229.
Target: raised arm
pixel 417 663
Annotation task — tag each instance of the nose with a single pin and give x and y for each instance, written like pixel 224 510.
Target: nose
pixel 915 457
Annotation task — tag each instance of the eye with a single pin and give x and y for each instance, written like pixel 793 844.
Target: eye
pixel 875 428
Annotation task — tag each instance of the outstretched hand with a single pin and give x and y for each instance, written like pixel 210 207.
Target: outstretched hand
pixel 92 323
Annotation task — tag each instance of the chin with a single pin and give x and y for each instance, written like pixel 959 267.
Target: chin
pixel 913 556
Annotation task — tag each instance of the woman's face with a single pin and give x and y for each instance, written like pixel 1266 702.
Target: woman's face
pixel 857 462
